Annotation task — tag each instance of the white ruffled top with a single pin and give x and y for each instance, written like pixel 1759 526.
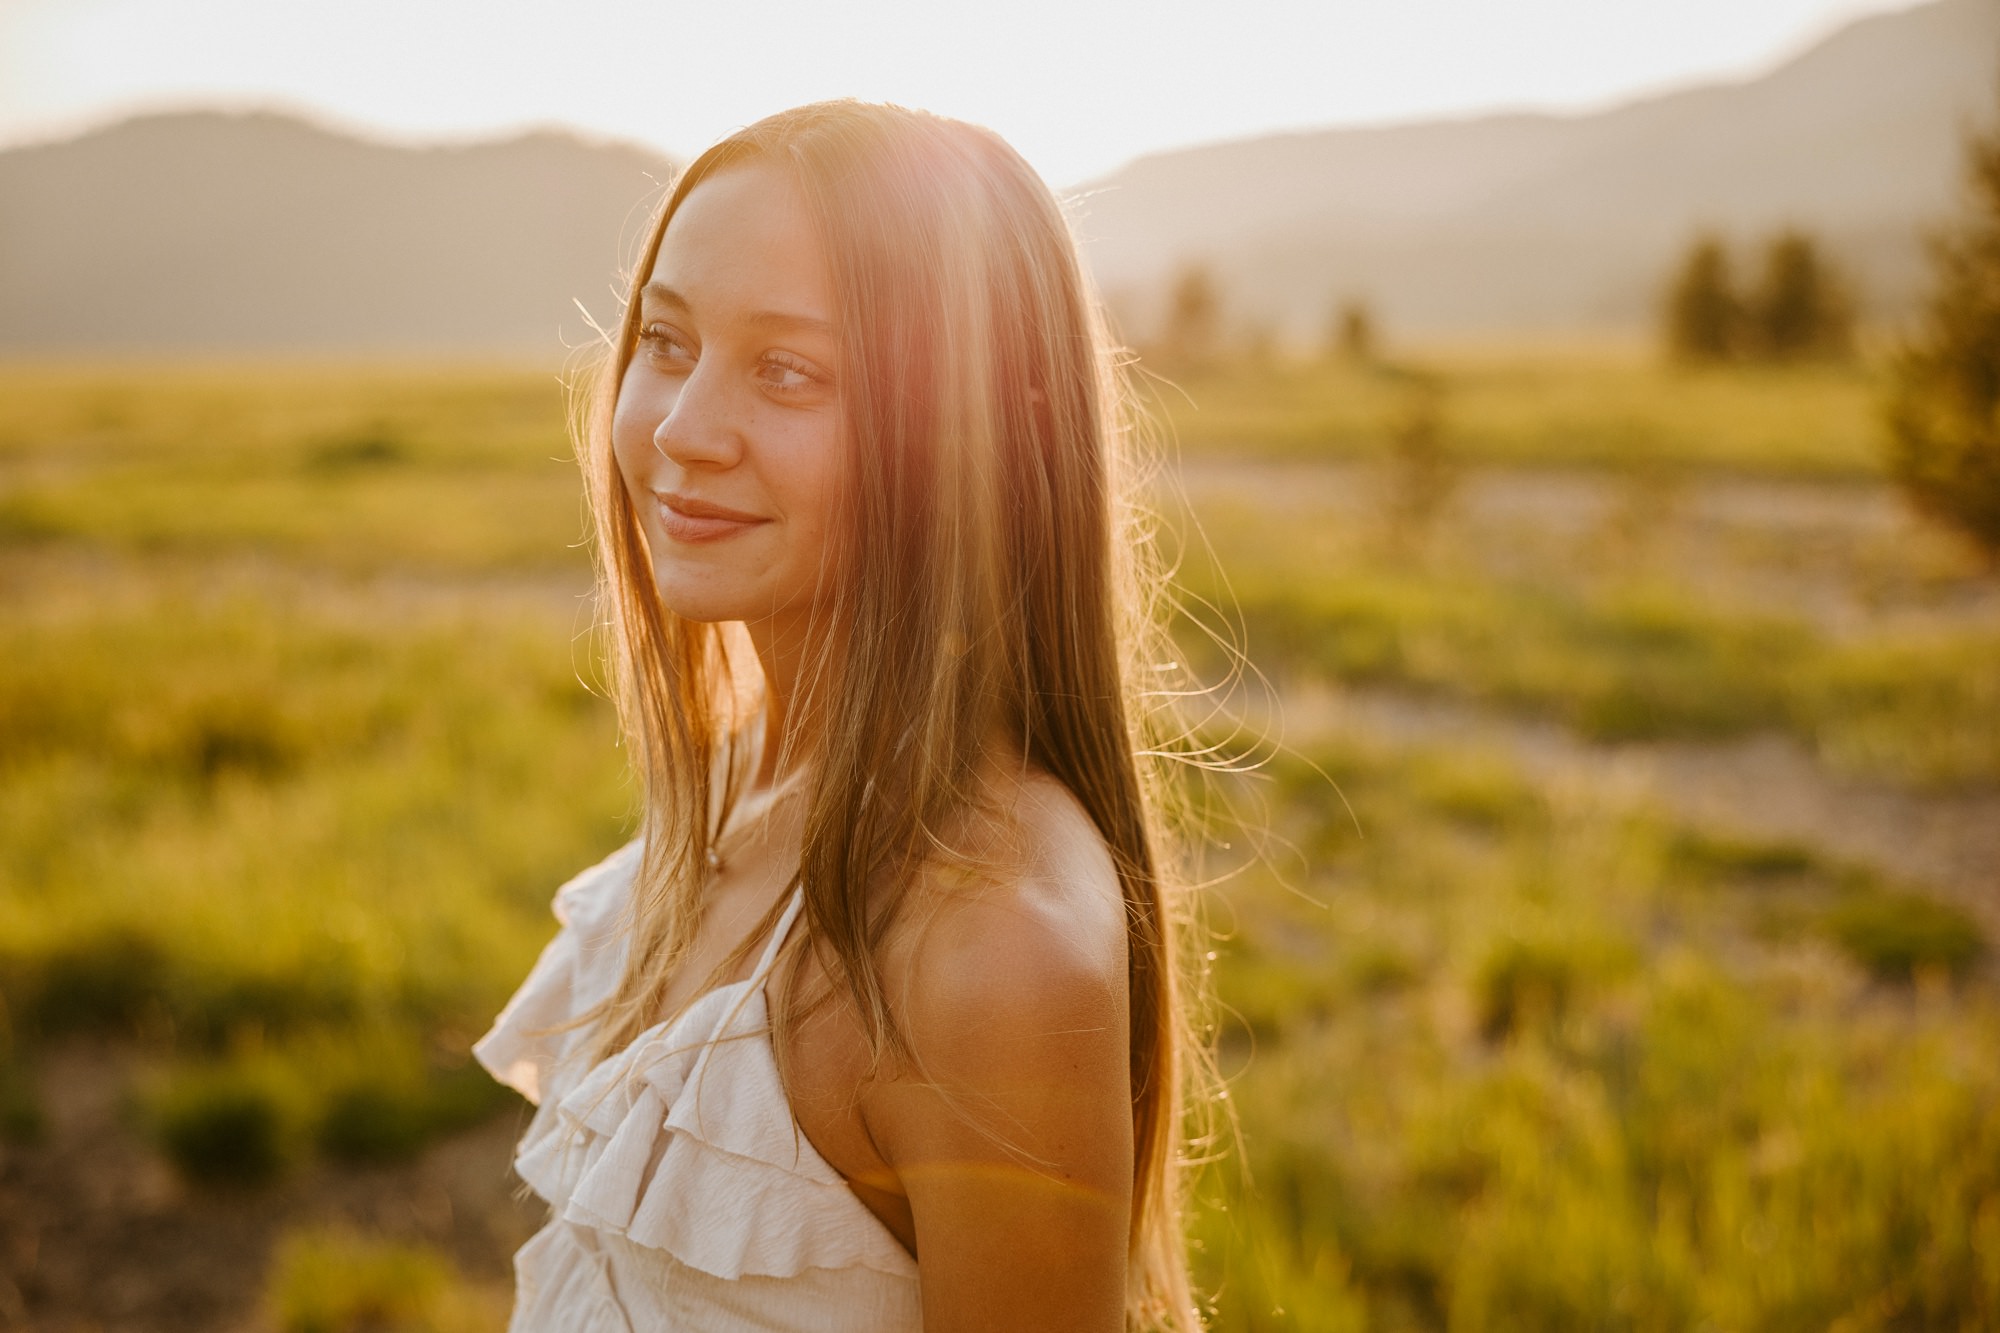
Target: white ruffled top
pixel 682 1194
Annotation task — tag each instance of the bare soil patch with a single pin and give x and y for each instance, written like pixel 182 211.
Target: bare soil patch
pixel 1767 787
pixel 1849 557
pixel 96 1233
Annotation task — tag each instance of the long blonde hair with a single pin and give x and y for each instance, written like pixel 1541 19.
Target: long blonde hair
pixel 986 573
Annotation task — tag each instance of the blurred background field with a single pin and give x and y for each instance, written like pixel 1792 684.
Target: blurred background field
pixel 1578 459
pixel 1616 952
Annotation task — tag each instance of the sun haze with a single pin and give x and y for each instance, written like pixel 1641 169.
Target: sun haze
pixel 1079 88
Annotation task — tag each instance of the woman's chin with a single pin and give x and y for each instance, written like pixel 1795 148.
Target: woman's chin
pixel 696 612
pixel 714 602
pixel 703 605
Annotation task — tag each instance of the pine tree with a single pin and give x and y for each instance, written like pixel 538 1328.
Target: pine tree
pixel 1354 338
pixel 1801 307
pixel 1944 404
pixel 1704 318
pixel 1193 333
pixel 1424 474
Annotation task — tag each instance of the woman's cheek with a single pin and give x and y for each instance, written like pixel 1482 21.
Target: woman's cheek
pixel 631 434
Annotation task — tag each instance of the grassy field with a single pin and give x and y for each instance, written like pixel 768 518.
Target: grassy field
pixel 296 739
pixel 1520 1057
pixel 1607 406
pixel 1633 660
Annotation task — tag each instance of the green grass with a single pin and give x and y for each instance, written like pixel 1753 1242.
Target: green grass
pixel 295 739
pixel 22 1119
pixel 293 750
pixel 357 470
pixel 1623 662
pixel 327 1280
pixel 296 824
pixel 1603 1091
pixel 1901 936
pixel 1596 408
pixel 366 1093
pixel 294 819
pixel 233 1125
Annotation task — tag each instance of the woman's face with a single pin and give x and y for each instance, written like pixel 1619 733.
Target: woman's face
pixel 728 424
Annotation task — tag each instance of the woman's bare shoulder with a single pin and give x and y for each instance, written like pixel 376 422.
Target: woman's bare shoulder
pixel 1024 912
pixel 1009 1127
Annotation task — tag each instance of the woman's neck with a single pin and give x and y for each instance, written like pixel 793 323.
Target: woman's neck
pixel 780 646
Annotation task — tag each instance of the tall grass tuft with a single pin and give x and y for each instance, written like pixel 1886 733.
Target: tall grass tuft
pixel 238 1124
pixel 1901 936
pixel 22 1119
pixel 329 1280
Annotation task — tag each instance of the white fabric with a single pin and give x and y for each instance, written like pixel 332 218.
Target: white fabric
pixel 682 1194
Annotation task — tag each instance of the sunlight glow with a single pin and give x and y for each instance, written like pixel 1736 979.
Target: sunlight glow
pixel 1080 88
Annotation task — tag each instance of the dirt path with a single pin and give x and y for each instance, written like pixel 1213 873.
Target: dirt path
pixel 1766 787
pixel 1849 557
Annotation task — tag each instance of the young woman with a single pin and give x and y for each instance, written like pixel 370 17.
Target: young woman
pixel 879 1025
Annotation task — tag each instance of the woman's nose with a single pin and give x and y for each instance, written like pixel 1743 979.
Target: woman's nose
pixel 700 426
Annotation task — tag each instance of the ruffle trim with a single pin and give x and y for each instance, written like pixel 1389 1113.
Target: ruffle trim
pixel 684 1142
pixel 528 1040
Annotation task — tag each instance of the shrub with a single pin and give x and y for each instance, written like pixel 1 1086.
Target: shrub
pixel 101 979
pixel 375 445
pixel 374 1121
pixel 1944 404
pixel 231 1125
pixel 387 1109
pixel 1898 935
pixel 333 1281
pixel 1266 996
pixel 1526 983
pixel 1423 473
pixel 464 1095
pixel 21 1118
pixel 1478 791
pixel 1707 854
pixel 1381 967
pixel 244 733
pixel 1922 706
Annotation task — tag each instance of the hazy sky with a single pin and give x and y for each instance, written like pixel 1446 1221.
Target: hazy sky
pixel 1078 85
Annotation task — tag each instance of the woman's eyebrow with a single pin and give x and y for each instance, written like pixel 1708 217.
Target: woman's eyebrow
pixel 662 294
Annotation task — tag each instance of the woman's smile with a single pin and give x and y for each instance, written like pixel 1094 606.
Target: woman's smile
pixel 691 520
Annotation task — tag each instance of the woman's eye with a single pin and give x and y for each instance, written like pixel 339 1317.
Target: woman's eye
pixel 663 341
pixel 789 375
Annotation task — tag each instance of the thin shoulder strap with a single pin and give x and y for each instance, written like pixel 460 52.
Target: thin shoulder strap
pixel 754 983
pixel 778 934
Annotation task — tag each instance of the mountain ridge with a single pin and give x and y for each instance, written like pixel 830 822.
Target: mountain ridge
pixel 1477 221
pixel 204 231
pixel 228 230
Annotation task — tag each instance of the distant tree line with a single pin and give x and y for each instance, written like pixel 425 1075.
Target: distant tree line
pixel 1800 307
pixel 1195 332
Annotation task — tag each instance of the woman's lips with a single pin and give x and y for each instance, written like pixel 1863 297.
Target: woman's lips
pixel 686 518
